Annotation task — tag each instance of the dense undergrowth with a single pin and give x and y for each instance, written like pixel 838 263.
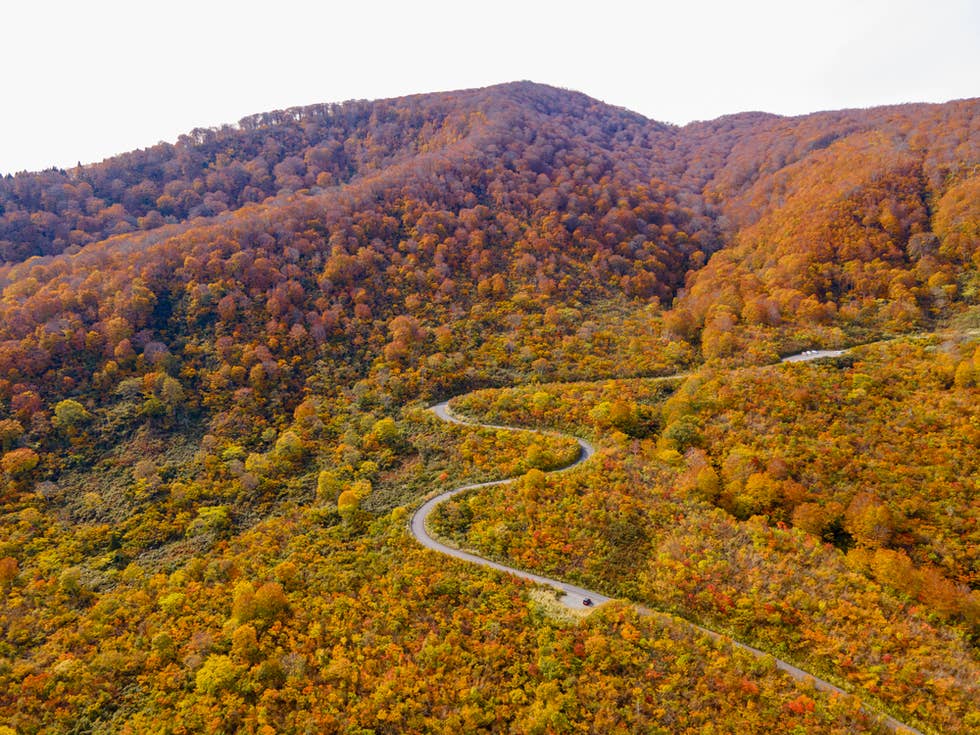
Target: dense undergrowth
pixel 744 512
pixel 215 359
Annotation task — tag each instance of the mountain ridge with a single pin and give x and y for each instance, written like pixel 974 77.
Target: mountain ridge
pixel 215 358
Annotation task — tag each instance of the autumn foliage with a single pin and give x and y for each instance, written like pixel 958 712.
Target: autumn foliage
pixel 215 358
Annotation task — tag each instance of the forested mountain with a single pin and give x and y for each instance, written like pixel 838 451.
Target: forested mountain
pixel 214 357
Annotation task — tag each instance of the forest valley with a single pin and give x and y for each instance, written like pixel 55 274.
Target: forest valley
pixel 216 358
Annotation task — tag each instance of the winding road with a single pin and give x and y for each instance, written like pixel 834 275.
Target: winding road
pixel 575 597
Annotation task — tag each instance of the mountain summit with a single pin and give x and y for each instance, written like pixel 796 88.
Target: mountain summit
pixel 216 356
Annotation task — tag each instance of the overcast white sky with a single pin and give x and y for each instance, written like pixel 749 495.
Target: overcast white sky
pixel 85 79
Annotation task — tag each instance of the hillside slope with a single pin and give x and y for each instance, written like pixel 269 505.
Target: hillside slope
pixel 859 219
pixel 213 357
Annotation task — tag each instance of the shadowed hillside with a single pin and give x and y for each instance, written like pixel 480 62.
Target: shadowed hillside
pixel 215 356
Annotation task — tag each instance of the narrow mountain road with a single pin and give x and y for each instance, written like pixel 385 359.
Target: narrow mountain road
pixel 813 355
pixel 573 596
pixel 579 598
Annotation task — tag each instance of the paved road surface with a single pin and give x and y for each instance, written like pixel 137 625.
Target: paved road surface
pixel 573 596
pixel 813 355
